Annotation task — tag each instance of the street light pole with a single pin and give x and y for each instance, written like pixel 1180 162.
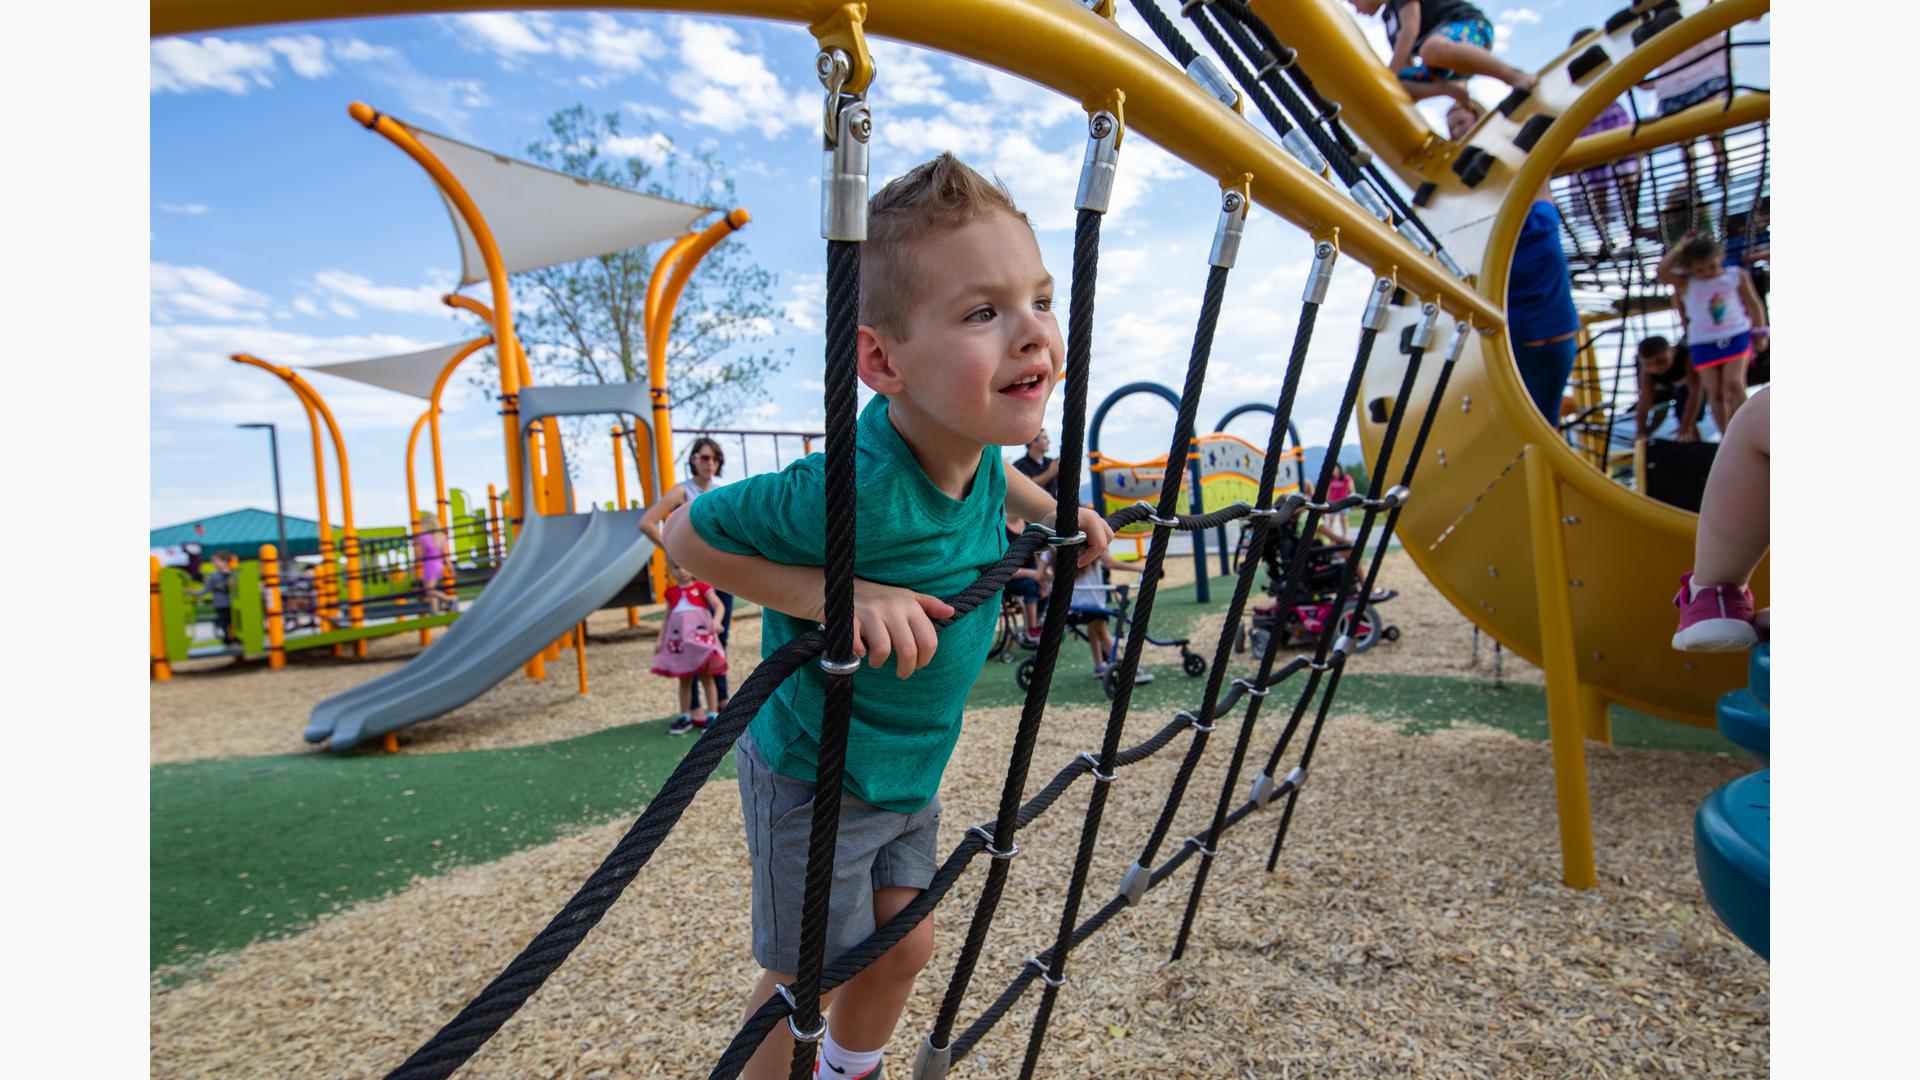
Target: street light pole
pixel 279 508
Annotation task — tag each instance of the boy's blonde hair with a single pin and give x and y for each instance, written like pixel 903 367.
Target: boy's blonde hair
pixel 931 197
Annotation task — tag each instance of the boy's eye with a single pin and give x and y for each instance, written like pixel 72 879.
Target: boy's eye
pixel 980 314
pixel 1044 303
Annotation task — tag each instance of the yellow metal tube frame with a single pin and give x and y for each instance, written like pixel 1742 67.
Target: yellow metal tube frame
pixel 1059 45
pixel 542 468
pixel 276 630
pixel 1707 118
pixel 157 667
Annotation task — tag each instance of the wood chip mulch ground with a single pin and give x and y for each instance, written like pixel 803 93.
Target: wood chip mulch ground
pixel 1415 928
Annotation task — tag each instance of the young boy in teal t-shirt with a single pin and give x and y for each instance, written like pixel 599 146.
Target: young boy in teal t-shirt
pixel 959 343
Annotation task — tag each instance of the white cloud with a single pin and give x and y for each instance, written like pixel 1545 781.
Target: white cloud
pixel 1520 17
pixel 305 307
pixel 729 88
pixel 414 299
pixel 198 290
pixel 507 34
pixel 306 55
pixel 610 43
pixel 356 51
pixel 1502 37
pixel 188 209
pixel 195 381
pixel 183 65
pixel 653 149
pixel 805 298
pixel 342 308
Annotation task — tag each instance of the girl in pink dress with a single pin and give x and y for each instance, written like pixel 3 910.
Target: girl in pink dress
pixel 688 648
pixel 1334 525
pixel 431 551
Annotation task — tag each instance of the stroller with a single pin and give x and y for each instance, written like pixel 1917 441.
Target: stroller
pixel 1117 613
pixel 1307 621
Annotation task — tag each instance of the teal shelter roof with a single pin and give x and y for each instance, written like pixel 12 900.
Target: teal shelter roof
pixel 241 532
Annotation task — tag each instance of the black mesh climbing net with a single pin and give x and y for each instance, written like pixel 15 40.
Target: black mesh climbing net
pixel 1309 682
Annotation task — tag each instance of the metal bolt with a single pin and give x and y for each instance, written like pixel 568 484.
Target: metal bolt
pixel 1575 582
pixel 1599 657
pixel 1570 519
pixel 1466 402
pixel 1442 455
pixel 1493 571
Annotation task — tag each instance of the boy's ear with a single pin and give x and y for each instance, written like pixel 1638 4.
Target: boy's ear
pixel 874 361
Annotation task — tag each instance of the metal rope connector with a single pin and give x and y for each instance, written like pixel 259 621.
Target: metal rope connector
pixel 1252 688
pixel 933 1061
pixel 1134 884
pixel 1296 142
pixel 1263 789
pixel 1058 541
pixel 793 1010
pixel 846 127
pixel 1411 234
pixel 1342 647
pixel 1164 523
pixel 1233 224
pixel 984 834
pixel 1375 315
pixel 1461 331
pixel 1320 274
pixel 1103 157
pixel 1361 191
pixel 1257 512
pixel 840 667
pixel 1040 966
pixel 1193 721
pixel 1395 498
pixel 1201 846
pixel 1207 75
pixel 1423 330
pixel 1093 766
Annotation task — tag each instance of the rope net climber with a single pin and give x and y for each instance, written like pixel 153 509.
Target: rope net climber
pixel 1312 680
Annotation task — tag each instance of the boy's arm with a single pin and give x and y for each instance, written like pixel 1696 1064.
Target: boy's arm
pixel 1642 405
pixel 887 620
pixel 1409 29
pixel 1031 501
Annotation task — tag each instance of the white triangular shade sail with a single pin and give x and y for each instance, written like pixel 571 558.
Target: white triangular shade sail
pixel 540 217
pixel 407 373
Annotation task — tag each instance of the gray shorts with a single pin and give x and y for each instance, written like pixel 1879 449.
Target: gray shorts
pixel 877 849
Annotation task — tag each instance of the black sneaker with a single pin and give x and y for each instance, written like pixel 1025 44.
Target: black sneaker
pixel 681 726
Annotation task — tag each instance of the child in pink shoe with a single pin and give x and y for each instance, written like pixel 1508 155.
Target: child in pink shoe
pixel 688 648
pixel 1716 610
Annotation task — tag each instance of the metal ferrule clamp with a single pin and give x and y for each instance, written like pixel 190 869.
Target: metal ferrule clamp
pixel 1362 192
pixel 1296 777
pixel 933 1061
pixel 1207 75
pixel 848 125
pixel 1233 225
pixel 1193 721
pixel 1395 498
pixel 1297 143
pixel 1093 767
pixel 1134 884
pixel 1320 274
pixel 1046 976
pixel 1412 234
pixel 1097 169
pixel 1375 315
pixel 1263 789
pixel 1461 331
pixel 1452 264
pixel 1423 331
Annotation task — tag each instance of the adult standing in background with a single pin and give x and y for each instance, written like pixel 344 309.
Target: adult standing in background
pixel 1542 322
pixel 1038 467
pixel 705 460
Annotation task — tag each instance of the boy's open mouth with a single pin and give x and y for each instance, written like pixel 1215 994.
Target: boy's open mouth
pixel 1031 384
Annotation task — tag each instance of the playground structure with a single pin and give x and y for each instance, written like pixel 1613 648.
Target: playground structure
pixel 1518 529
pixel 1225 469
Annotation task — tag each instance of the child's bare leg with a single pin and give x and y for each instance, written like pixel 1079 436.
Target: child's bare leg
pixel 1101 642
pixel 1733 532
pixel 1716 402
pixel 1421 90
pixel 706 685
pixel 869 1004
pixel 686 693
pixel 1733 388
pixel 1441 52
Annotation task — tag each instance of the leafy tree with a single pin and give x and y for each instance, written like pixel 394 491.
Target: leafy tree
pixel 584 322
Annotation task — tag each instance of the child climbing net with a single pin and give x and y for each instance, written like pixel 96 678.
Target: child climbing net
pixel 848 130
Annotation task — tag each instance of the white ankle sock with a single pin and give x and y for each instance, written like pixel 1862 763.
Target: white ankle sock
pixel 837 1062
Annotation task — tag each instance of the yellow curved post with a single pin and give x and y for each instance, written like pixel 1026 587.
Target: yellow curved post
pixel 396 133
pixel 276 630
pixel 620 498
pixel 1710 117
pixel 496 549
pixel 441 506
pixel 543 467
pixel 157 667
pixel 669 279
pixel 413 445
pixel 325 587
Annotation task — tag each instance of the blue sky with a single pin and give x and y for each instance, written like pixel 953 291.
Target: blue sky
pixel 281 227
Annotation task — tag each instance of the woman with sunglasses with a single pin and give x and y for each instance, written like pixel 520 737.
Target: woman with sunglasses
pixel 705 460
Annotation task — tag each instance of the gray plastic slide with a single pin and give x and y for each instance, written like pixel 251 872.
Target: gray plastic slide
pixel 562 568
